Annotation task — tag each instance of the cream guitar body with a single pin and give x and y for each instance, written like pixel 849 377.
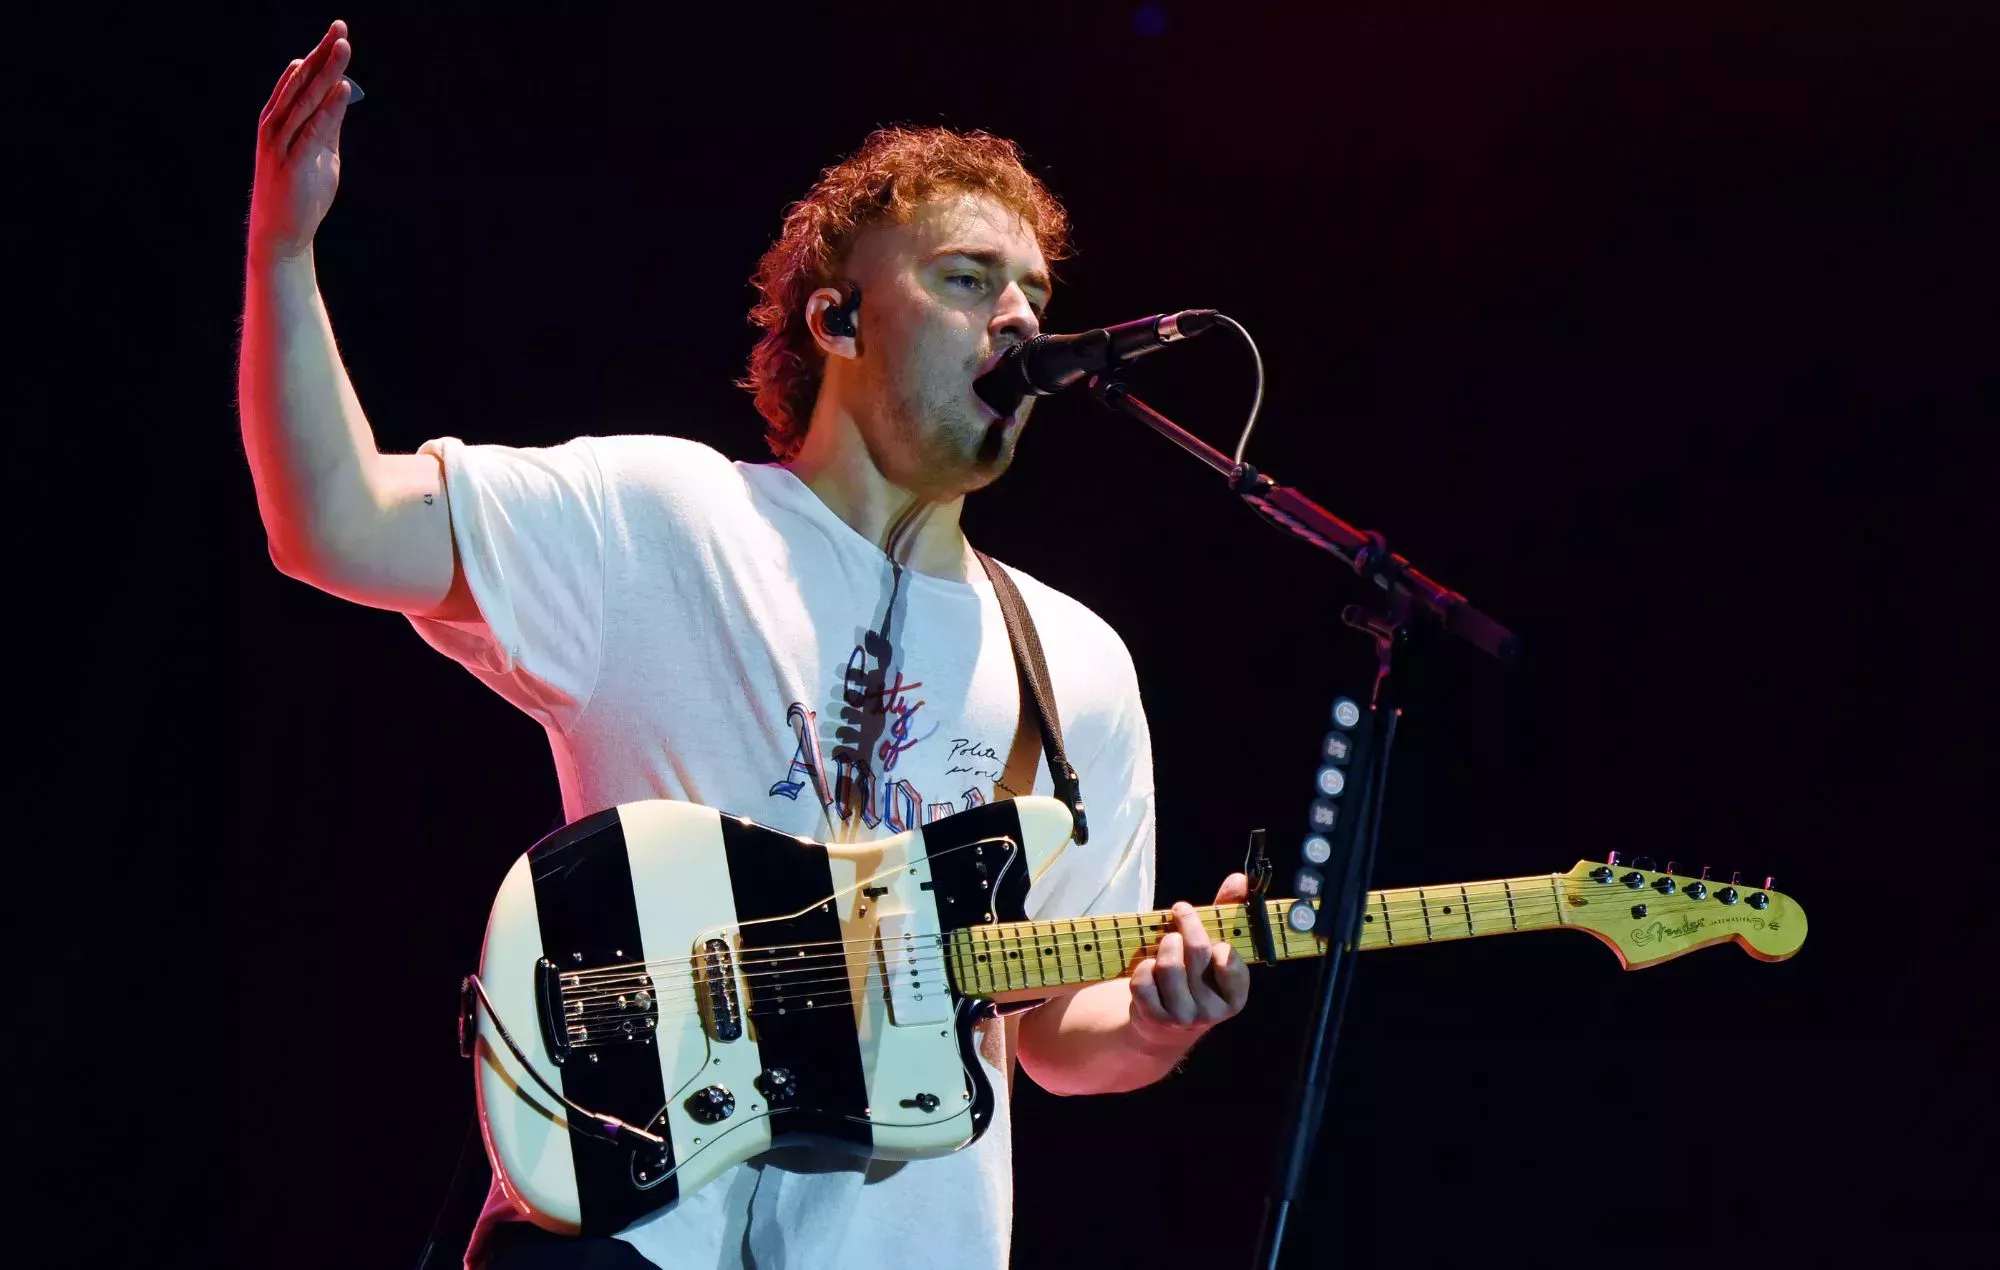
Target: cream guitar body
pixel 666 991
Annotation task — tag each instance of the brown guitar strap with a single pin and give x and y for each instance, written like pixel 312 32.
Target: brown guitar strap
pixel 1038 698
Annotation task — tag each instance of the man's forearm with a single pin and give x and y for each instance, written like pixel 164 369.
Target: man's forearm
pixel 303 429
pixel 1085 1043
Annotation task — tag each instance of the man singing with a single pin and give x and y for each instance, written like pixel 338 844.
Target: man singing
pixel 687 627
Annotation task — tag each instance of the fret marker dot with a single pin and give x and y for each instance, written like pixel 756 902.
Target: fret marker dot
pixel 1368 917
pixel 1447 908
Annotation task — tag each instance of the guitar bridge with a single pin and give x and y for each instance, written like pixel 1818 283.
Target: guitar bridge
pixel 720 1005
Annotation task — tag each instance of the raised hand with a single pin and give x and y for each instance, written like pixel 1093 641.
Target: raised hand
pixel 298 150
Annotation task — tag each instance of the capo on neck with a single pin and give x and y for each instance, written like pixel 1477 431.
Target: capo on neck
pixel 1257 869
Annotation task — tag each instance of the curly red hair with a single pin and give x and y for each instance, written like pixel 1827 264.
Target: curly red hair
pixel 894 171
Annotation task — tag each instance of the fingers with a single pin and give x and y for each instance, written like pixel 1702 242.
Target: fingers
pixel 324 127
pixel 289 82
pixel 1194 979
pixel 314 94
pixel 279 91
pixel 304 85
pixel 1147 993
pixel 1230 975
pixel 1170 981
pixel 1235 889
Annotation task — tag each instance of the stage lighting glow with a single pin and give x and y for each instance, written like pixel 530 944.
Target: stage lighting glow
pixel 1337 748
pixel 1317 849
pixel 1307 882
pixel 1346 713
pixel 1322 816
pixel 1330 781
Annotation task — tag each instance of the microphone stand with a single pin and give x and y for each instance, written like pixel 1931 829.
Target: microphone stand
pixel 1414 601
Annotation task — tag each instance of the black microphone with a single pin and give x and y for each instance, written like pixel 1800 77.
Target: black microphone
pixel 1050 363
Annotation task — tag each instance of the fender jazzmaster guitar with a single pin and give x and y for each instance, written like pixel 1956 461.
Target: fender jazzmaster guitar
pixel 666 991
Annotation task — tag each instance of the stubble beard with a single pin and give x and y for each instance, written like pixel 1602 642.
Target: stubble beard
pixel 954 447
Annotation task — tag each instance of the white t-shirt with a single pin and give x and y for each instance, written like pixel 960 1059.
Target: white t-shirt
pixel 685 627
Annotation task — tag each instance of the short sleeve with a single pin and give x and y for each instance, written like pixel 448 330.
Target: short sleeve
pixel 529 525
pixel 1114 871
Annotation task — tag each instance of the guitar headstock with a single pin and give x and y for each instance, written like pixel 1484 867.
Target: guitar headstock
pixel 1649 916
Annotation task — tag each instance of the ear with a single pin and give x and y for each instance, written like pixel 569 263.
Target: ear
pixel 833 345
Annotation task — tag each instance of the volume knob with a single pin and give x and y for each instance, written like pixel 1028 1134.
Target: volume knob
pixel 777 1086
pixel 711 1105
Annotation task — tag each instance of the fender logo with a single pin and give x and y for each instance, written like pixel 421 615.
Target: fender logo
pixel 1660 931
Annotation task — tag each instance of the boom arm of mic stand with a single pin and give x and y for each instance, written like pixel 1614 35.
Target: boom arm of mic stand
pixel 1365 552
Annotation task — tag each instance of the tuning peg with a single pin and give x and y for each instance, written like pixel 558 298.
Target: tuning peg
pixel 1612 859
pixel 1704 873
pixel 1670 866
pixel 1768 881
pixel 1643 862
pixel 1735 877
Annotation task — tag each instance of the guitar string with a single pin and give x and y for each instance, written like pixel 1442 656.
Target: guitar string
pixel 606 1005
pixel 824 994
pixel 591 985
pixel 826 985
pixel 1074 942
pixel 937 945
pixel 1399 910
pixel 839 997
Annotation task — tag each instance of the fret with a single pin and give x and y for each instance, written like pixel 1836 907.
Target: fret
pixel 1300 943
pixel 961 974
pixel 1057 953
pixel 1069 951
pixel 1004 959
pixel 982 956
pixel 975 968
pixel 1485 907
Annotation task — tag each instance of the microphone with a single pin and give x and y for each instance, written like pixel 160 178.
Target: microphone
pixel 1050 363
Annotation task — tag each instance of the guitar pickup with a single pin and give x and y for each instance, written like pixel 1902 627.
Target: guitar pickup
pixel 721 1007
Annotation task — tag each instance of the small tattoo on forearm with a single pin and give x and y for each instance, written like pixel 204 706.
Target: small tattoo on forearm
pixel 427 500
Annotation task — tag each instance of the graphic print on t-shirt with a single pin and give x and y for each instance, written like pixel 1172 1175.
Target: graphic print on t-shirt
pixel 879 709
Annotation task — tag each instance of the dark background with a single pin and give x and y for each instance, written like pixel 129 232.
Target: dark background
pixel 1663 333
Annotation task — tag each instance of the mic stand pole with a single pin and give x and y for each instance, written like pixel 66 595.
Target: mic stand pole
pixel 1411 597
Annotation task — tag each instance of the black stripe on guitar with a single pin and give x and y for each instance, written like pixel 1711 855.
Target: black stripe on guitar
pixel 969 879
pixel 771 875
pixel 590 917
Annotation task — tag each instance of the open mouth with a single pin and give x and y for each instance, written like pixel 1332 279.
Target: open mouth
pixel 1000 402
pixel 992 415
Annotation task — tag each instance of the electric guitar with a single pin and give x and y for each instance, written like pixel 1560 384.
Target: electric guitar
pixel 666 991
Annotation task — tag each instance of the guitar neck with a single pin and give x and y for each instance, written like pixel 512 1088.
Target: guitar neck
pixel 1023 959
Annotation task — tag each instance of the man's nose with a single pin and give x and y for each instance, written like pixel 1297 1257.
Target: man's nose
pixel 1014 316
